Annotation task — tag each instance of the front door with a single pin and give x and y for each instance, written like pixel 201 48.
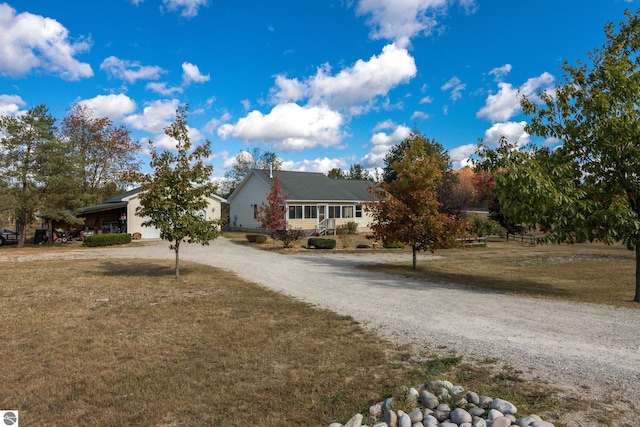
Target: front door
pixel 321 213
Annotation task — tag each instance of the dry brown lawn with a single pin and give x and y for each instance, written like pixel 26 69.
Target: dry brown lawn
pixel 122 342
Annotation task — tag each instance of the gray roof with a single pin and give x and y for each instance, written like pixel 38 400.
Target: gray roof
pixel 121 196
pixel 315 186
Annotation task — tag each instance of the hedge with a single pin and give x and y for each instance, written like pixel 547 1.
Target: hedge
pixel 321 243
pixel 348 228
pixel 106 240
pixel 393 245
pixel 256 238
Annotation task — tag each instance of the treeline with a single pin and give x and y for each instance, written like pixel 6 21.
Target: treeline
pixel 56 168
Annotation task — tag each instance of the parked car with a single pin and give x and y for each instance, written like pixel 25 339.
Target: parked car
pixel 8 237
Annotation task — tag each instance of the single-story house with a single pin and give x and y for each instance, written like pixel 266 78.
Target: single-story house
pixel 118 215
pixel 314 202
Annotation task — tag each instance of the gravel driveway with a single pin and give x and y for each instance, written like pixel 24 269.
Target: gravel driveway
pixel 590 349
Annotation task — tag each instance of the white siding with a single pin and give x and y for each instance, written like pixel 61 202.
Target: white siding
pixel 254 193
pixel 134 221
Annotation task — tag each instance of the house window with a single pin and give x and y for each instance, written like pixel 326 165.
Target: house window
pixel 334 212
pixel 255 211
pixel 347 212
pixel 358 211
pixel 295 212
pixel 311 212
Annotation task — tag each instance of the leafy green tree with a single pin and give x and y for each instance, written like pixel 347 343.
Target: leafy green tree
pixel 357 171
pixel 106 154
pixel 450 202
pixel 408 209
pixel 21 148
pixel 589 188
pixel 337 173
pixel 244 162
pixel 174 196
pixel 432 148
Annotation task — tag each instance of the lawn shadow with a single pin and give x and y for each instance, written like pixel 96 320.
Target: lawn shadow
pixel 520 285
pixel 142 268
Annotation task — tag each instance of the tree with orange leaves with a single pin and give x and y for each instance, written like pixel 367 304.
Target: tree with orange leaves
pixel 407 209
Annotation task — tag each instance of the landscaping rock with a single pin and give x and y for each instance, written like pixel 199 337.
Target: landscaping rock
pixel 469 410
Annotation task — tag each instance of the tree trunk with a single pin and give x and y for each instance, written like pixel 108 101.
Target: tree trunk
pixel 636 298
pixel 22 230
pixel 413 250
pixel 176 248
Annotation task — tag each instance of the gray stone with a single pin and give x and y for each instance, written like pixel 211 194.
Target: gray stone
pixel 460 416
pixel 484 400
pixel 443 407
pixel 375 410
pixel 493 414
pixel 355 421
pixel 440 415
pixel 476 411
pixel 465 425
pixel 416 416
pixel 428 400
pixel 503 406
pixel 404 420
pixel 431 421
pixel 501 422
pixel 335 425
pixel 473 398
pixel 457 390
pixel 527 421
pixel 391 419
pixel 418 424
pixel 479 422
pixel 448 424
pixel 541 424
pixel 387 404
pixel 380 424
pixel 412 394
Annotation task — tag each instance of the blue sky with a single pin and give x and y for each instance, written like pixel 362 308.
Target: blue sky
pixel 322 83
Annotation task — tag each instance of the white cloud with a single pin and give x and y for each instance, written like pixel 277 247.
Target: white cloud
pixel 383 141
pixel 353 86
pixel 322 165
pixel 456 87
pixel 29 42
pixel 214 124
pixel 155 116
pixel 163 89
pixel 112 106
pixel 460 156
pixel 191 74
pixel 426 100
pixel 130 71
pixel 289 89
pixel 505 104
pixel 419 115
pixel 290 126
pixel 400 20
pixel 513 131
pixel 10 105
pixel 190 8
pixel 500 72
